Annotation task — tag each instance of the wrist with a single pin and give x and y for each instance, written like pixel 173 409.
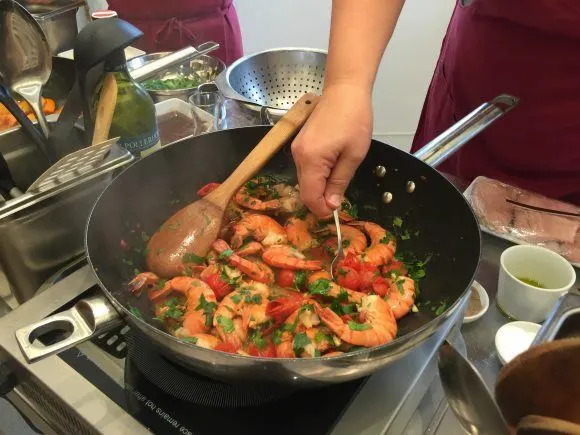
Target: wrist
pixel 347 87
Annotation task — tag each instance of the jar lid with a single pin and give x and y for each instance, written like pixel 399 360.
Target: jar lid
pixel 98 15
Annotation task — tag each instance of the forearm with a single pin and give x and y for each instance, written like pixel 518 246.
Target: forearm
pixel 359 33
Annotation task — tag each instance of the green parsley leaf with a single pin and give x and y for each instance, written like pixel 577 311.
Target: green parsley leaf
pixel 345 243
pixel 354 326
pixel 397 222
pixel 400 286
pixel 208 309
pixel 300 279
pixel 319 287
pixel 190 257
pixel 320 337
pixel 342 295
pixel 144 236
pixel 226 324
pixel 301 340
pixel 387 239
pixel 236 299
pixel 135 311
pixel 405 235
pixel 258 340
pixel 254 299
pixel 301 213
pixel 189 339
pixel 226 254
pixel 277 337
pixel 173 311
pixel 440 308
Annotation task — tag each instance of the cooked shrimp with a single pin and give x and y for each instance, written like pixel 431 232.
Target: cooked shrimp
pixel 353 240
pixel 262 228
pixel 200 302
pixel 144 280
pixel 243 199
pixel 383 247
pixel 243 308
pixel 378 325
pixel 250 248
pixel 321 283
pixel 298 232
pixel 287 257
pixel 401 297
pixel 256 270
pixel 301 335
pixel 207 341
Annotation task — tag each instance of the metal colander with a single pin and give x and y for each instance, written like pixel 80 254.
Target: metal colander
pixel 275 78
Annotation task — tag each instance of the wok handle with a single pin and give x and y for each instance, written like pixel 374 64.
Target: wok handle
pixel 275 139
pixel 87 318
pixel 440 148
pixel 567 305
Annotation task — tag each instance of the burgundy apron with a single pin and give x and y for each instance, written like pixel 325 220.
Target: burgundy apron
pixel 530 49
pixel 169 25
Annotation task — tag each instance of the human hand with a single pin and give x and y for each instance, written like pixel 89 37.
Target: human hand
pixel 331 146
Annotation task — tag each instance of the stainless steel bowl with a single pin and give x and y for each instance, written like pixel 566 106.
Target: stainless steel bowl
pixel 205 68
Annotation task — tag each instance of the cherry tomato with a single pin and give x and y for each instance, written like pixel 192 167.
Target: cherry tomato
pixel 366 275
pixel 395 265
pixel 347 277
pixel 380 286
pixel 286 278
pixel 218 285
pixel 226 347
pixel 208 188
pixel 269 351
pixel 351 261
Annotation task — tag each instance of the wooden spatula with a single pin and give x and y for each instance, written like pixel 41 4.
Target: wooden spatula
pixel 193 228
pixel 542 381
pixel 105 109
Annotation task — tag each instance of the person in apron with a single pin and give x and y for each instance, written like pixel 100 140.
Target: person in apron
pixel 528 49
pixel 169 25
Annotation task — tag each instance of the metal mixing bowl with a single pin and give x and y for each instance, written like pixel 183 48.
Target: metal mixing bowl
pixel 204 68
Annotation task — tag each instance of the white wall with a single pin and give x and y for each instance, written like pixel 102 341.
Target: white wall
pixel 407 66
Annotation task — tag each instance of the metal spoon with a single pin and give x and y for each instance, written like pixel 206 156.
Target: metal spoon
pixel 25 58
pixel 468 397
pixel 339 251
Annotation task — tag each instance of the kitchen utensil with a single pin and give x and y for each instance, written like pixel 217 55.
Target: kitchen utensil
pixel 199 222
pixel 274 78
pixel 540 425
pixel 563 321
pixel 81 163
pixel 339 250
pixel 105 109
pixel 203 68
pixel 514 338
pixel 25 59
pixel 542 381
pixel 27 126
pixel 389 182
pixel 467 394
pixel 523 301
pixel 542 210
pixel 482 297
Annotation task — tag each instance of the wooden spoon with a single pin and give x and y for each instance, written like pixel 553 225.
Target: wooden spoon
pixel 542 381
pixel 540 425
pixel 105 109
pixel 193 228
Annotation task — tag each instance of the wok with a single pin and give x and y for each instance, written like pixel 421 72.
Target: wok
pixel 142 197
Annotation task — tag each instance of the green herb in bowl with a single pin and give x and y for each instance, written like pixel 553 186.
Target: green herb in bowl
pixel 179 82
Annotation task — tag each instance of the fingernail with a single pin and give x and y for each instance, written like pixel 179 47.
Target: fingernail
pixel 334 200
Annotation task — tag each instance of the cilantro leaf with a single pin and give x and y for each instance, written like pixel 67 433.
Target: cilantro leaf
pixel 226 324
pixel 397 222
pixel 300 279
pixel 354 326
pixel 208 309
pixel 226 254
pixel 254 299
pixel 135 311
pixel 319 287
pixel 342 295
pixel 258 340
pixel 236 299
pixel 301 340
pixel 189 339
pixel 277 337
pixel 301 213
pixel 190 257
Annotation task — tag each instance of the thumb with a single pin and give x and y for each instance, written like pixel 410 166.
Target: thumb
pixel 339 178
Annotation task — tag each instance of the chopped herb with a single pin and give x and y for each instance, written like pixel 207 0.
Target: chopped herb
pixel 400 286
pixel 189 339
pixel 146 252
pixel 354 326
pixel 320 337
pixel 316 353
pixel 348 308
pixel 258 340
pixel 136 271
pixel 439 309
pixel 341 271
pixel 301 214
pixel 226 254
pixel 397 222
pixel 208 309
pixel 173 310
pixel 160 283
pixel 226 324
pixel 135 311
pixel 301 340
pixel 319 287
pixel 236 299
pixel 255 299
pixel 345 243
pixel 300 279
pixel 388 238
pixel 405 235
pixel 342 295
pixel 349 208
pixel 144 236
pixel 417 233
pixel 190 257
pixel 277 337
pixel 127 262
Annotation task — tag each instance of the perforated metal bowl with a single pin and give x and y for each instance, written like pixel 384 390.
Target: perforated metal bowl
pixel 275 78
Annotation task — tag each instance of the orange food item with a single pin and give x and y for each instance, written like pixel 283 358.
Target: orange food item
pixel 8 121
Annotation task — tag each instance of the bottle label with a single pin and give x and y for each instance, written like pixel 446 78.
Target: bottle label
pixel 141 145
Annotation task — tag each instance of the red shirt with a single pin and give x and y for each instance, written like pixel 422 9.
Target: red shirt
pixel 526 48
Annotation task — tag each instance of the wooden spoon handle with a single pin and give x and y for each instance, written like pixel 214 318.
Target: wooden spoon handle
pixel 105 109
pixel 270 144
